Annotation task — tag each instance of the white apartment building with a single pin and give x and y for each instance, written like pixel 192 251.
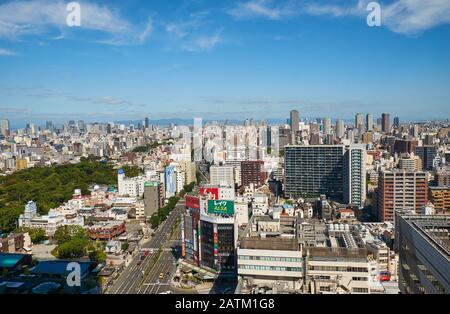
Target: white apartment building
pixel 50 222
pixel 270 265
pixel 338 271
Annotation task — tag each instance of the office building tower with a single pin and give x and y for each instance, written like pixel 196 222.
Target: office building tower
pixel 385 123
pixel 326 126
pixel 415 131
pixel 428 154
pixel 424 257
pixel 401 190
pixel 4 127
pixel 340 129
pixel 147 123
pixel 314 170
pixel 294 119
pixel 222 175
pixel 253 172
pixel 369 122
pixel 294 123
pixel 49 125
pixel 81 126
pixel 359 120
pixel 397 122
pixel 355 175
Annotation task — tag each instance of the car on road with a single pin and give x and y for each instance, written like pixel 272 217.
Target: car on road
pixel 161 276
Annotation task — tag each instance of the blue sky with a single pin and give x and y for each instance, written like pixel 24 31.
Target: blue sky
pixel 223 59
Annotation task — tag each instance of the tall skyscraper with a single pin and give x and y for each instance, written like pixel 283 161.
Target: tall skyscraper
pixel 355 175
pixel 294 121
pixel 369 122
pixel 49 125
pixel 326 126
pixel 340 129
pixel 385 122
pixel 4 127
pixel 359 120
pixel 81 126
pixel 147 122
pixel 396 122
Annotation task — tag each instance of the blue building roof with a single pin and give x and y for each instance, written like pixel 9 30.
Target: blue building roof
pixel 58 268
pixel 8 260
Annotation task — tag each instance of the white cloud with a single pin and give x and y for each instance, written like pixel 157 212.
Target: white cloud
pixel 203 43
pixel 7 53
pixel 263 8
pixel 37 17
pixel 401 16
pixel 407 17
pixel 416 16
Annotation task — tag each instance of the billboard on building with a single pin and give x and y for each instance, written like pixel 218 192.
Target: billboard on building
pixel 170 180
pixel 214 192
pixel 192 202
pixel 220 207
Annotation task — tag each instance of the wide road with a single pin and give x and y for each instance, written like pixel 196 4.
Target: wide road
pixel 166 265
pixel 129 281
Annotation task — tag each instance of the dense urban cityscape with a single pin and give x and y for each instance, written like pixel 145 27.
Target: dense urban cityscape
pixel 226 155
pixel 309 206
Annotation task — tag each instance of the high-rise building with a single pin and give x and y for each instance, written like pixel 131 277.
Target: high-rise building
pixel 326 126
pixel 385 123
pixel 401 190
pixel 314 170
pixel 397 122
pixel 4 127
pixel 340 129
pixel 424 256
pixel 355 175
pixel 415 131
pixel 252 172
pixel 359 120
pixel 294 121
pixel 428 154
pixel 402 146
pixel 147 122
pixel 218 237
pixel 222 175
pixel 369 122
pixel 81 126
pixel 153 197
pixel 49 125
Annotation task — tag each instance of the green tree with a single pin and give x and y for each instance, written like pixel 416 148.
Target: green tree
pixel 37 235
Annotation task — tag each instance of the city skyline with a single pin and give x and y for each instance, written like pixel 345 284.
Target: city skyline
pixel 227 60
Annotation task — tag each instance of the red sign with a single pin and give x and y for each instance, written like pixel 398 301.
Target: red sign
pixel 192 202
pixel 214 192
